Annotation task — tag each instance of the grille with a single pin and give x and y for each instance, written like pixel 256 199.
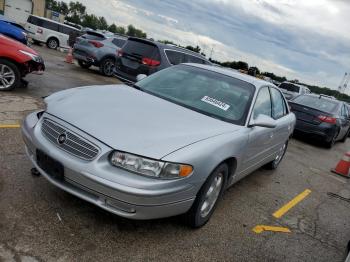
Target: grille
pixel 72 144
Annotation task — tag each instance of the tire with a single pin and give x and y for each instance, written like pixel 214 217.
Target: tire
pixel 274 164
pixel 84 64
pixel 330 144
pixel 107 66
pixel 198 215
pixel 10 76
pixel 345 136
pixel 52 43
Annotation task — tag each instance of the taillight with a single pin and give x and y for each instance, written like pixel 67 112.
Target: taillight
pixel 39 30
pixel 150 62
pixel 120 53
pixel 327 119
pixel 96 43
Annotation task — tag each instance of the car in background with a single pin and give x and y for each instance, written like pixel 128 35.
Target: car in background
pixel 16 61
pixel 50 32
pixel 97 49
pixel 13 30
pixel 203 129
pixel 145 57
pixel 324 118
pixel 291 90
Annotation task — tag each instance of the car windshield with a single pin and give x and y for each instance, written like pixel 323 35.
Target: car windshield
pixel 290 87
pixel 210 93
pixel 317 102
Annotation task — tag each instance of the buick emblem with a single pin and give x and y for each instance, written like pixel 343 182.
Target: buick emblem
pixel 62 138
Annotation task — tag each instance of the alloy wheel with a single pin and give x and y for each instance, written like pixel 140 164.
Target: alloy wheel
pixel 7 76
pixel 108 68
pixel 212 195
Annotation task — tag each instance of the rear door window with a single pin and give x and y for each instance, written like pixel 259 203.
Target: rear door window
pixel 118 42
pixel 141 49
pixel 174 57
pixel 50 25
pixel 65 30
pixel 279 108
pixel 194 59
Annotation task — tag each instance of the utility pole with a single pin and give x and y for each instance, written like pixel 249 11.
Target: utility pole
pixel 343 82
pixel 211 52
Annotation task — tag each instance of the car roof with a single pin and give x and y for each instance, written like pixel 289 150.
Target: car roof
pixel 170 47
pixel 320 96
pixel 235 74
pixel 53 21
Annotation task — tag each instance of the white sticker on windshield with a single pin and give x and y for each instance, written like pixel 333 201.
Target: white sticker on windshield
pixel 215 102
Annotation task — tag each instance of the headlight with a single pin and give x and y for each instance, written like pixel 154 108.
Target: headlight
pixel 35 58
pixel 150 167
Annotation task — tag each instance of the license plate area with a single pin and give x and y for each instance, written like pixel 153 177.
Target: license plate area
pixel 52 167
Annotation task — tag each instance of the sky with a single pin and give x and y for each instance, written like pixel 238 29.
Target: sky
pixel 307 40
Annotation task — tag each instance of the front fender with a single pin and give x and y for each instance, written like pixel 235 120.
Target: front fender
pixel 207 154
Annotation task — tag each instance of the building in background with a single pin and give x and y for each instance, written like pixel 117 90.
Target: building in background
pixel 19 10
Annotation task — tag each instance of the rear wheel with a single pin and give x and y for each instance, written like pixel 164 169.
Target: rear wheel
pixel 84 64
pixel 345 136
pixel 331 142
pixel 207 197
pixel 10 76
pixel 282 151
pixel 52 43
pixel 107 66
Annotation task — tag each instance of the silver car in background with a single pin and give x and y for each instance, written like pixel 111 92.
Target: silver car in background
pixel 169 146
pixel 98 49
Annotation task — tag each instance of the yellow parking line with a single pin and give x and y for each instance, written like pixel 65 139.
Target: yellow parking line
pixel 261 228
pixel 10 126
pixel 280 212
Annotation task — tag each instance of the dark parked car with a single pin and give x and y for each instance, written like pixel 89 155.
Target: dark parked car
pixel 141 56
pixel 324 118
pixel 13 30
pixel 291 90
pixel 98 49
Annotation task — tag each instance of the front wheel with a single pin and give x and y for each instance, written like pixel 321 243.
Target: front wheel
pixel 10 76
pixel 207 197
pixel 281 152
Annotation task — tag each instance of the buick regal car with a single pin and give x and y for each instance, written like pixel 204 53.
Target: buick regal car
pixel 171 145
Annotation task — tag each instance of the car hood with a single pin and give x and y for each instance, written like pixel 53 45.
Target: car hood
pixel 130 120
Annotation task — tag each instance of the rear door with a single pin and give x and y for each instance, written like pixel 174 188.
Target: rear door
pixel 138 57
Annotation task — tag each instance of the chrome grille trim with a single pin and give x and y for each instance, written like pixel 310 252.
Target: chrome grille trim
pixel 74 144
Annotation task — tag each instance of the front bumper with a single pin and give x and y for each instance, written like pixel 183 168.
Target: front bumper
pixel 115 190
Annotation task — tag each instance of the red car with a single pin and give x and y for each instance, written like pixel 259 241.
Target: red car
pixel 16 61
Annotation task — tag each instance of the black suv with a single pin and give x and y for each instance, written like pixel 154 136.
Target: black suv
pixel 142 56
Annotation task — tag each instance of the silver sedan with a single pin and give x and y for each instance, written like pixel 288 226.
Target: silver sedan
pixel 171 145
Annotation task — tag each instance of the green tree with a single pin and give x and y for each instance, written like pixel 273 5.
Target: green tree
pixel 133 31
pixel 102 23
pixel 196 49
pixel 90 21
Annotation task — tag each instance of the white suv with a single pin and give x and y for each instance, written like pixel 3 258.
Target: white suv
pixel 45 30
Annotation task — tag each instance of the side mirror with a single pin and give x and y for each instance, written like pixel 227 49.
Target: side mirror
pixel 263 121
pixel 140 77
